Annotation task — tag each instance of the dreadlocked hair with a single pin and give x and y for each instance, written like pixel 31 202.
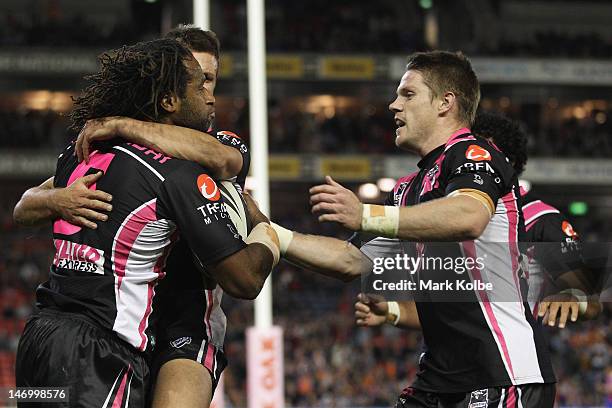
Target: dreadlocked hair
pixel 507 134
pixel 132 82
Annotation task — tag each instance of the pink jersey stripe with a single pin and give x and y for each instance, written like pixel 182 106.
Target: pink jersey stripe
pixel 510 203
pixel 145 319
pixel 97 160
pixel 405 179
pixel 469 249
pixel 536 209
pixel 454 139
pixel 431 182
pixel 118 401
pixel 208 360
pixel 127 235
pixel 159 269
pixel 511 400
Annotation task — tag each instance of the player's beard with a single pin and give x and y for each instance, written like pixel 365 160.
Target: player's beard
pixel 201 121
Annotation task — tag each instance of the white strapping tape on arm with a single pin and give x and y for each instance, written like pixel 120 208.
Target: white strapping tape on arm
pixel 380 220
pixel 285 236
pixel 264 234
pixel 393 314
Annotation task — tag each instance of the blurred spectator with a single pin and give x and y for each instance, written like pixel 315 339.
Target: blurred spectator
pixel 348 131
pixel 308 26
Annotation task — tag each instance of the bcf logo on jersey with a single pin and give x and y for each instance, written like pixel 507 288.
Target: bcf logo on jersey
pixel 477 153
pixel 208 188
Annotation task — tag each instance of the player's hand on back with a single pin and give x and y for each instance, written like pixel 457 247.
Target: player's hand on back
pixel 336 203
pixel 370 311
pixel 98 129
pixel 81 206
pixel 252 208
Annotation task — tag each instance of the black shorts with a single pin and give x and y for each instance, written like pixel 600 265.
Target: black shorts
pixel 190 348
pixel 525 396
pixel 60 349
pixel 181 306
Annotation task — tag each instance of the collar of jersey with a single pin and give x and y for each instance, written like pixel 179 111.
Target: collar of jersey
pixel 436 152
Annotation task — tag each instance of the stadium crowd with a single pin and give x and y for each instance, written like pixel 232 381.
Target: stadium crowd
pixel 328 360
pixel 387 30
pixel 352 131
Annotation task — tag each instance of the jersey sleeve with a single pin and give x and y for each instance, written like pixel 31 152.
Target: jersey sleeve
pixel 477 167
pixel 380 247
pixel 233 140
pixel 557 246
pixel 193 200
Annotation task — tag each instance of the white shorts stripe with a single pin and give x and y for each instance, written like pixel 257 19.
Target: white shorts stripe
pixel 201 352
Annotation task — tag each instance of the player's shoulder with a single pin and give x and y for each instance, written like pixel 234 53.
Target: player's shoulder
pixel 475 152
pixel 229 138
pixel 536 209
pixel 474 148
pixel 163 166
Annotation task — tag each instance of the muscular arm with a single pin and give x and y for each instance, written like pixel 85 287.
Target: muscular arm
pixel 224 162
pixel 76 204
pixel 243 274
pixel 456 218
pixel 328 256
pixel 35 206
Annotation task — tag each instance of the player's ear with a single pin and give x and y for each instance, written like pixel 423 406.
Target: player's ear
pixel 447 102
pixel 170 102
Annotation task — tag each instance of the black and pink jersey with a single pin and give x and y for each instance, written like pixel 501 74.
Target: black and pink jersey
pixel 188 305
pixel 479 342
pixel 552 246
pixel 110 274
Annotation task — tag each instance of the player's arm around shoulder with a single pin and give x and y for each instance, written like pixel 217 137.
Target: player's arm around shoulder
pixel 222 161
pixel 77 203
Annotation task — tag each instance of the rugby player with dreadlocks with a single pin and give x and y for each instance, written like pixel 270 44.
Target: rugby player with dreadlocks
pixel 180 371
pixel 92 333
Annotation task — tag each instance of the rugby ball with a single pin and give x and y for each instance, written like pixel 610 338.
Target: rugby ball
pixel 235 205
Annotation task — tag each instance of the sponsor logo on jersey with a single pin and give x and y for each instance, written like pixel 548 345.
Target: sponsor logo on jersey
pixel 479 399
pixel 180 342
pixel 213 212
pixel 78 257
pixel 208 188
pixel 227 133
pixel 477 153
pixel 568 229
pixel 470 167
